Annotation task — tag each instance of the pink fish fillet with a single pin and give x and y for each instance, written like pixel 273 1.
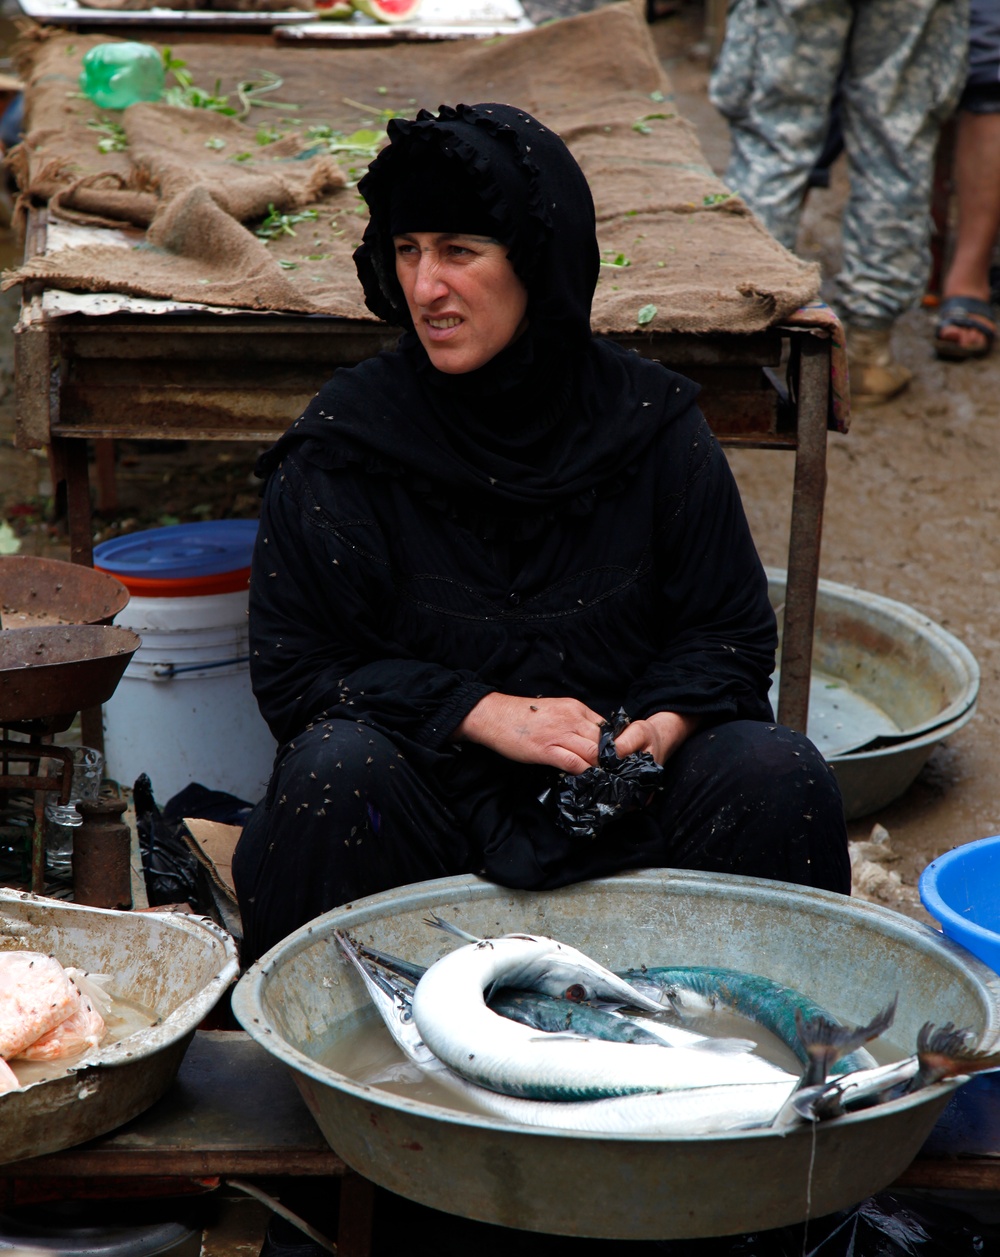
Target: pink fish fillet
pixel 36 994
pixel 8 1079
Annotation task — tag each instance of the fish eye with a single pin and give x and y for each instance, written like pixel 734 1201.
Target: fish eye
pixel 577 993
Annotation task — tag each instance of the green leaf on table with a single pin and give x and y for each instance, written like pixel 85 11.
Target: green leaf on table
pixel 646 315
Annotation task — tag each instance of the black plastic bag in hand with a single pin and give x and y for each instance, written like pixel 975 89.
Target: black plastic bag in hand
pixel 587 801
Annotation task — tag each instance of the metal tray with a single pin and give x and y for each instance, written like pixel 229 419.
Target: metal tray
pixel 176 964
pixel 302 996
pixel 437 19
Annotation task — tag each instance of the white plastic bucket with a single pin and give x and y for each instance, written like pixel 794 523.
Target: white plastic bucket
pixel 184 712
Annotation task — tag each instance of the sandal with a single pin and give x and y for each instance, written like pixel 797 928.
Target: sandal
pixel 969 312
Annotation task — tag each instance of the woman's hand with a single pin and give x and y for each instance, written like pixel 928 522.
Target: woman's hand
pixel 660 734
pixel 561 732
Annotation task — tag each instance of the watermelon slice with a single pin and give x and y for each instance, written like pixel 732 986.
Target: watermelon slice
pixel 388 10
pixel 333 10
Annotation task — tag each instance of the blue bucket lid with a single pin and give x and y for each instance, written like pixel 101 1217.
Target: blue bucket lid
pixel 208 548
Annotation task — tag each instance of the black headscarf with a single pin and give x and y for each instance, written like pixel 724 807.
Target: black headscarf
pixel 533 191
pixel 558 416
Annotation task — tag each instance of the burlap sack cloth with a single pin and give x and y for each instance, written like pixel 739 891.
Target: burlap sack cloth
pixel 193 184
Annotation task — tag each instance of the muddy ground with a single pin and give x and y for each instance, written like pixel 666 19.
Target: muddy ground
pixel 911 510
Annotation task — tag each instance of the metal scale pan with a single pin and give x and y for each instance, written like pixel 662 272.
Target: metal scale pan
pixel 59 654
pixel 35 592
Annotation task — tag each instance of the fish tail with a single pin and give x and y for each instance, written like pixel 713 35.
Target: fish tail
pixel 825 1042
pixel 370 969
pixel 439 923
pixel 944 1052
pixel 402 968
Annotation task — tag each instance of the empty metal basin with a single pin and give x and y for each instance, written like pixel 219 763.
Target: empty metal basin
pixel 888 685
pixel 302 997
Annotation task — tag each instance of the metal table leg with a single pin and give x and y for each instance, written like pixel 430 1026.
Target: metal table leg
pixel 808 493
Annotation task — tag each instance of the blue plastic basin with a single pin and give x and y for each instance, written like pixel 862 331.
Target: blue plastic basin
pixel 961 890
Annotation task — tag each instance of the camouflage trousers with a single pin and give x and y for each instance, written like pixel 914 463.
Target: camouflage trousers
pixel 902 64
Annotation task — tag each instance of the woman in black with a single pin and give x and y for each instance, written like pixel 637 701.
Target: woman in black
pixel 473 550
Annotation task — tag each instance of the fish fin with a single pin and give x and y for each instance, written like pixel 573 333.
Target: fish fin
pixel 563 1036
pixel 722 1047
pixel 944 1053
pixel 398 1071
pixel 439 923
pixel 824 1042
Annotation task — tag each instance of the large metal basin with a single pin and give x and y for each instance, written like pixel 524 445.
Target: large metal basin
pixel 300 998
pixel 888 685
pixel 174 964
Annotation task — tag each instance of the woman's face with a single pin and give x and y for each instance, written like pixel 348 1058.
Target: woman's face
pixel 465 299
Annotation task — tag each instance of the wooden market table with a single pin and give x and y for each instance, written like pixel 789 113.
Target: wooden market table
pixel 232 1112
pixel 205 376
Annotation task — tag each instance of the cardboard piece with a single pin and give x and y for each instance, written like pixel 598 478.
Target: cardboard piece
pixel 213 845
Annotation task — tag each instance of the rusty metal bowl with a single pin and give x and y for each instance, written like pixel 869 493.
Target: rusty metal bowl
pixel 35 592
pixel 112 1084
pixel 302 998
pixel 49 674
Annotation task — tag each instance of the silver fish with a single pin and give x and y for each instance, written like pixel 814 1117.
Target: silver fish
pixel 554 1013
pixel 461 1030
pixel 776 1104
pixel 669 1113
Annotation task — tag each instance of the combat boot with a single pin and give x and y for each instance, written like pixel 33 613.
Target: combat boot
pixel 875 374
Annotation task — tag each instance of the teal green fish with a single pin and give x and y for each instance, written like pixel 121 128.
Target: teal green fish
pixel 697 989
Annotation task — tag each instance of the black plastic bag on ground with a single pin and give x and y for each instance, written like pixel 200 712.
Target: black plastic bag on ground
pixel 171 872
pixel 883 1225
pixel 586 802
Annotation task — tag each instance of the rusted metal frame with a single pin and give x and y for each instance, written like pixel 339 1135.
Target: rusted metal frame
pixel 812 360
pixel 33 752
pixel 69 461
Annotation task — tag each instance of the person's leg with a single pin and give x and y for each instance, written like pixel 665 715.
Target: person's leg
pixel 905 68
pixel 977 194
pixel 775 81
pixel 755 799
pixel 345 816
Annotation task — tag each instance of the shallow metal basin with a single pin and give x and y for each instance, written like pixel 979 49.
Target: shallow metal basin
pixel 36 591
pixel 888 685
pixel 174 964
pixel 48 674
pixel 300 998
